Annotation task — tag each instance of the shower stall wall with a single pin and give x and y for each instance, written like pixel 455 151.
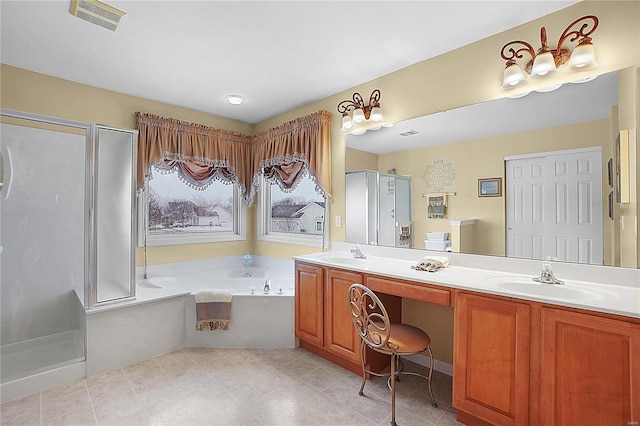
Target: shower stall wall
pixel 65 242
pixel 378 209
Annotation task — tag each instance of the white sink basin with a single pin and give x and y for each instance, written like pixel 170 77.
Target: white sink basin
pixel 568 291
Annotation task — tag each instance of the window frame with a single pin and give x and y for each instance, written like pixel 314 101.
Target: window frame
pixel 154 240
pixel 264 223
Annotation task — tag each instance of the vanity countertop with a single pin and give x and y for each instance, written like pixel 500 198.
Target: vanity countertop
pixel 618 298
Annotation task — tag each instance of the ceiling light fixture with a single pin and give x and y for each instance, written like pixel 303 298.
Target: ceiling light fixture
pixel 358 117
pixel 234 99
pixel 547 61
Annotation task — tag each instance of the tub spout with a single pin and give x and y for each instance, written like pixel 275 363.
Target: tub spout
pixel 267 287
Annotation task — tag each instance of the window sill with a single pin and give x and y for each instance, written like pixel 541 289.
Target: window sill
pixel 309 241
pixel 169 240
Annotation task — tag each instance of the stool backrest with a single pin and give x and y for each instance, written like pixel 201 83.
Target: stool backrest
pixel 369 316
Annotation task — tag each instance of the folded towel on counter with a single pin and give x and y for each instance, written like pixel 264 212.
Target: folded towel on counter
pixel 213 309
pixel 432 264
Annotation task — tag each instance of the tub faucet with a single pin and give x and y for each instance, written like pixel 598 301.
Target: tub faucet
pixel 267 287
pixel 357 254
pixel 546 276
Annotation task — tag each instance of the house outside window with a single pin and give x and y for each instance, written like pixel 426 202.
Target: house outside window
pixel 295 217
pixel 176 213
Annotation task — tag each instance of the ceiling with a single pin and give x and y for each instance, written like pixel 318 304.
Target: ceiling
pixel 278 55
pixel 570 104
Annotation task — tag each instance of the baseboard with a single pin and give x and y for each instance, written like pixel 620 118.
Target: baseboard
pixel 424 360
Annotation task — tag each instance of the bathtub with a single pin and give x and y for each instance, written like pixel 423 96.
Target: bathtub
pixel 162 317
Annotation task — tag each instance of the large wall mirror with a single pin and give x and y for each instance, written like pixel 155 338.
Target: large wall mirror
pixel 529 177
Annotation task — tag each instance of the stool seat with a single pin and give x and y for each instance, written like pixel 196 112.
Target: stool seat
pixel 408 339
pixel 404 339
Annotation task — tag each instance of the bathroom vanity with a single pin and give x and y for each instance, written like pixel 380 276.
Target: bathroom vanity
pixel 524 353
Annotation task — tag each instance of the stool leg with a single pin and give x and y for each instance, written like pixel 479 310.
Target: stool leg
pixel 433 400
pixel 393 390
pixel 364 371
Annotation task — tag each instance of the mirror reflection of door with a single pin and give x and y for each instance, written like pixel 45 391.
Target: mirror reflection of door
pixel 554 205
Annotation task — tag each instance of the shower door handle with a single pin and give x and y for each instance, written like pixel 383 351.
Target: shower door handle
pixel 5 172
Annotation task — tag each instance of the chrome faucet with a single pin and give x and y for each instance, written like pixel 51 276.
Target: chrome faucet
pixel 357 254
pixel 267 287
pixel 546 276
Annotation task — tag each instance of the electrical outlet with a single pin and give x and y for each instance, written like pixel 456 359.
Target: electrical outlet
pixel 338 221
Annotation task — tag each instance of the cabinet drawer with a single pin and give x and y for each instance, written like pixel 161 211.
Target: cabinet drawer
pixel 408 289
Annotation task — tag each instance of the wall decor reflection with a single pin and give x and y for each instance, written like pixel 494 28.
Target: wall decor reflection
pixel 439 175
pixel 611 205
pixel 491 187
pixel 610 172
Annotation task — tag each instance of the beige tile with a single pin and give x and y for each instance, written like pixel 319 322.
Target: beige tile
pixel 406 418
pixel 326 411
pixel 66 404
pixel 83 417
pixel 147 378
pixel 449 418
pixel 120 410
pixel 420 404
pixel 103 385
pixel 298 367
pixel 173 359
pixel 17 405
pixel 60 391
pixel 140 366
pixel 279 409
pixel 18 415
pixel 322 379
pixel 370 407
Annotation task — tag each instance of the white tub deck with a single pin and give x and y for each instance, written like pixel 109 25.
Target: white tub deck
pixel 162 317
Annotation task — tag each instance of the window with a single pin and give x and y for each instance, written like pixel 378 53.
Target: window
pixel 295 217
pixel 176 213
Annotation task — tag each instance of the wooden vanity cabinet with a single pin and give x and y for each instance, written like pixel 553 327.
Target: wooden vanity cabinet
pixel 340 336
pixel 323 319
pixel 520 362
pixel 491 359
pixel 589 370
pixel 309 303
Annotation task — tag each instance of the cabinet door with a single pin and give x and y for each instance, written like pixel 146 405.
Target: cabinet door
pixel 340 336
pixel 491 359
pixel 590 372
pixel 309 303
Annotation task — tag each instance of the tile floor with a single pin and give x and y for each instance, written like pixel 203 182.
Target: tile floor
pixel 202 386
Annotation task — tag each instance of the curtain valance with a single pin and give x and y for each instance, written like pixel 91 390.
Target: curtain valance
pixel 200 153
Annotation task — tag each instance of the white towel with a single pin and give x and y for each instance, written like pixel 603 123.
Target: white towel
pixel 214 295
pixel 442 259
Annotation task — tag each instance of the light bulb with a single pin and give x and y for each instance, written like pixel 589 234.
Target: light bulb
pixel 513 76
pixel 358 116
pixel 543 64
pixel 583 58
pixel 346 123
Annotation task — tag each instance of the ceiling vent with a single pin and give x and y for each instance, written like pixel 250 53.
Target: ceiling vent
pixel 408 133
pixel 97 13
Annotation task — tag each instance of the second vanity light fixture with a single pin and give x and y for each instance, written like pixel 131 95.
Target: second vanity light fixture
pixel 546 61
pixel 358 117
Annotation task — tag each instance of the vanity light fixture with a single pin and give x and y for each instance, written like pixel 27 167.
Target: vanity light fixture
pixel 358 117
pixel 546 61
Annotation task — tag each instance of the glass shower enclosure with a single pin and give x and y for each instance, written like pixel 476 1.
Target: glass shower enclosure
pixel 66 237
pixel 378 209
